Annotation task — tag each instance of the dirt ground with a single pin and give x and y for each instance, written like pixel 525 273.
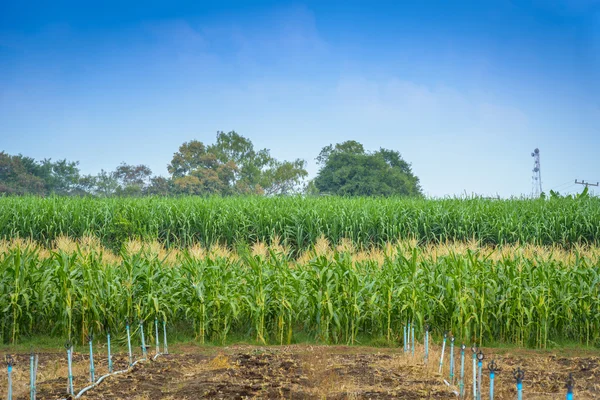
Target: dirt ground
pixel 307 372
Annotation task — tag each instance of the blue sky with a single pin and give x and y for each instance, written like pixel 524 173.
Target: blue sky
pixel 464 90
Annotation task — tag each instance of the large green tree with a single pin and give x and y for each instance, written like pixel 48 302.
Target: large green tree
pixel 232 166
pixel 348 170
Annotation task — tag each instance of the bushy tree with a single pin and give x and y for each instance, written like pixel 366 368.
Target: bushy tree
pixel 232 166
pixel 348 170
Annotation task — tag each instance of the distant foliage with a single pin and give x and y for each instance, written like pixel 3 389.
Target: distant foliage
pixel 23 175
pixel 230 166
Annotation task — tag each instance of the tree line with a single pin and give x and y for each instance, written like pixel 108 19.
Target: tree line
pixel 229 166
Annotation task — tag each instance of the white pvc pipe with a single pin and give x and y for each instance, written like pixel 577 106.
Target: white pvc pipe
pixel 82 391
pixel 129 344
pixel 165 337
pixel 70 359
pixel 85 389
pixel 474 376
pixel 442 356
pixel 135 362
pixel 35 376
pixel 156 335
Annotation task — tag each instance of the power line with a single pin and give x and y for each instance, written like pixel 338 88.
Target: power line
pixel 568 188
pixel 562 184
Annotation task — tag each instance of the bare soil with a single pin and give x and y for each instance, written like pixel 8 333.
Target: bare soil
pixel 307 372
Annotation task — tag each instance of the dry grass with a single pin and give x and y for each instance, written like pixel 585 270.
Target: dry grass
pixel 221 361
pixel 317 367
pixel 349 372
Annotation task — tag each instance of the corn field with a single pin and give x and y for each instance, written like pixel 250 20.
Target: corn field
pixel 299 222
pixel 521 294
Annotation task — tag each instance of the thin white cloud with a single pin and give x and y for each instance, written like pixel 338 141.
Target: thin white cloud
pixel 436 110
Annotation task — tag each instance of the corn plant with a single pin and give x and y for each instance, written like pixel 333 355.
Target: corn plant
pixel 481 294
pixel 301 221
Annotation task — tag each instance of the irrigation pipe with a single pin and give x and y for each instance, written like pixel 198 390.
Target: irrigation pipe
pixel 144 349
pixel 35 370
pixel 426 343
pixel 480 358
pixel 92 370
pixel 474 350
pixel 519 374
pixel 85 389
pixel 110 366
pixel 156 335
pixel 404 342
pixel 413 340
pixel 69 348
pixel 33 361
pixel 461 385
pixel 409 347
pixel 442 356
pixel 452 360
pixel 129 343
pixel 9 366
pixel 129 368
pixel 493 369
pixel 165 337
pixel 570 384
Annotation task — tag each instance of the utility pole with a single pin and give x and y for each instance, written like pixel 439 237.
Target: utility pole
pixel 587 184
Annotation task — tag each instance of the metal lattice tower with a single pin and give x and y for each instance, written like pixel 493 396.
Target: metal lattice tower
pixel 536 178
